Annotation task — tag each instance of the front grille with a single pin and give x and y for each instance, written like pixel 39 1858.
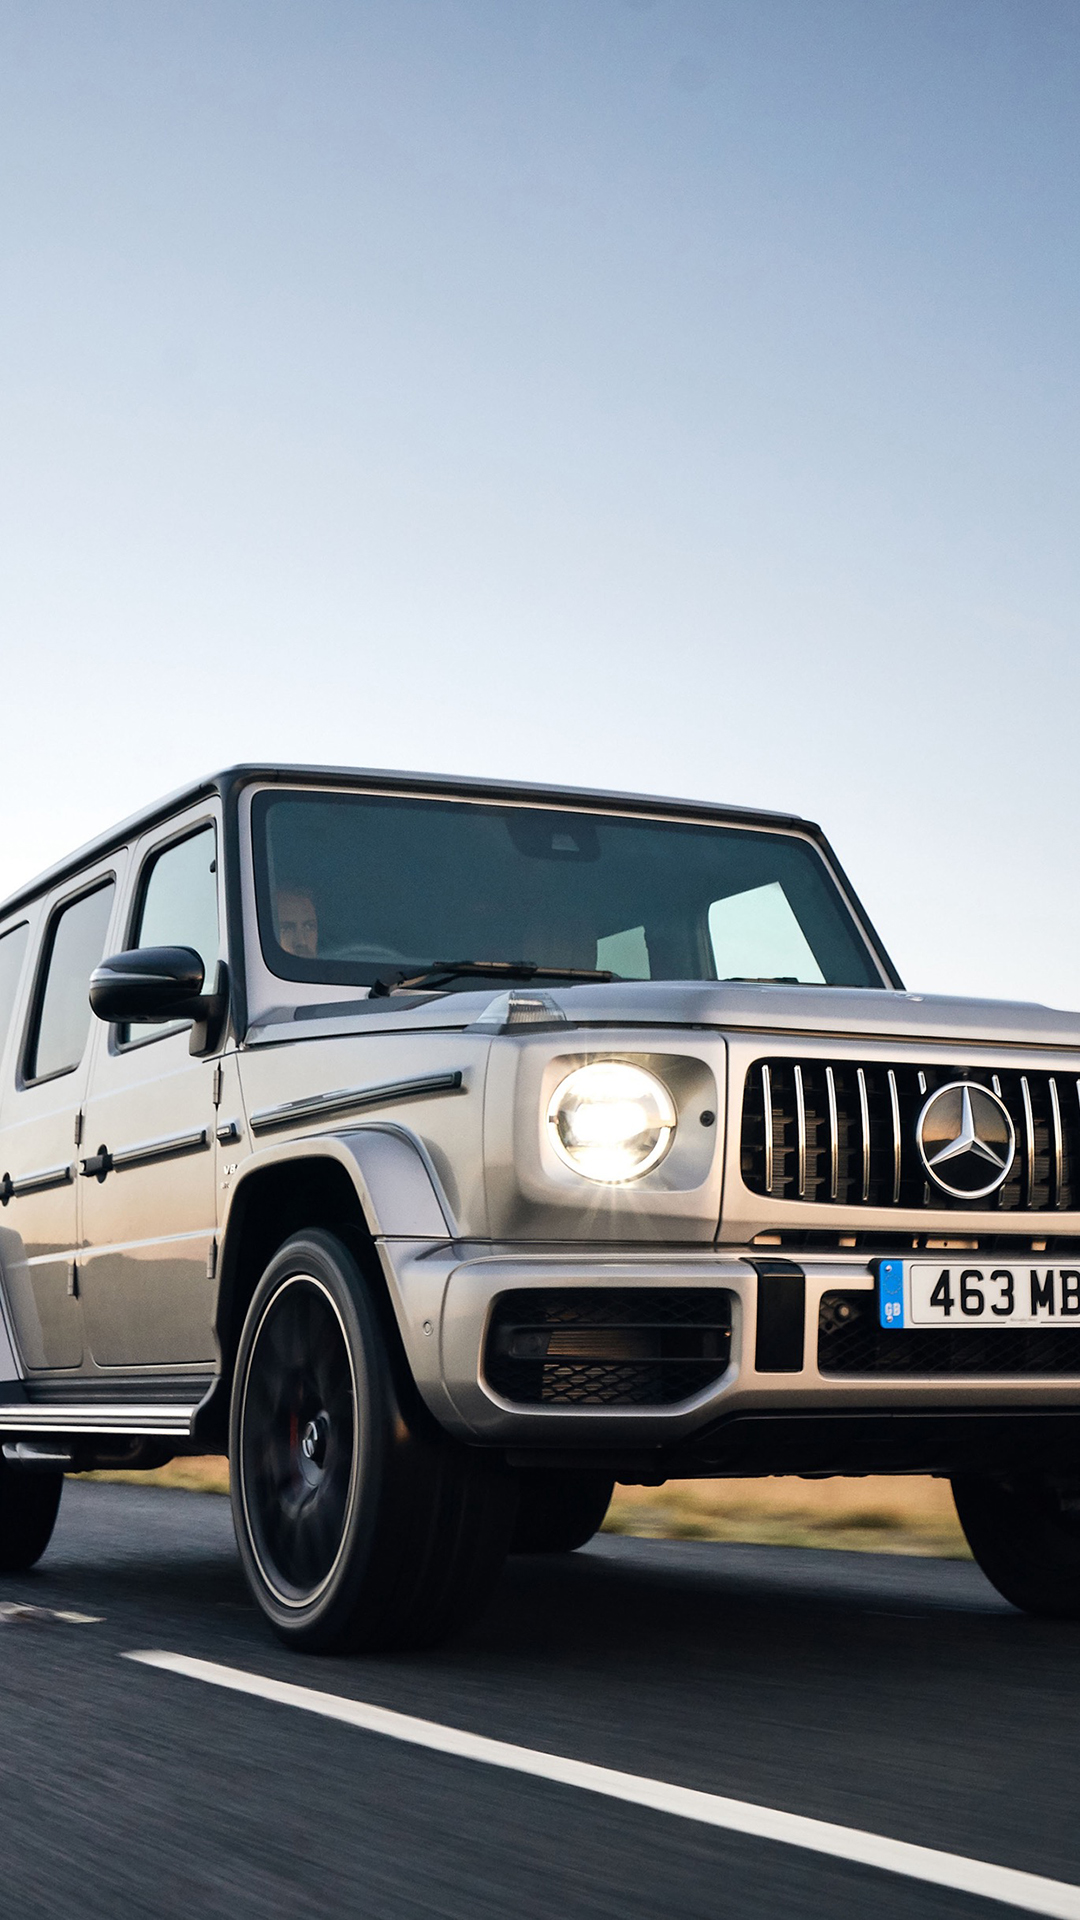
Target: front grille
pixel 852 1341
pixel 843 1134
pixel 607 1347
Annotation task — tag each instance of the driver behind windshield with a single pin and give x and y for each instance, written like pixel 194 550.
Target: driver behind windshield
pixel 297 923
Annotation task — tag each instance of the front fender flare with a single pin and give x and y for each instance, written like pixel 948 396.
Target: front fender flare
pixel 407 1214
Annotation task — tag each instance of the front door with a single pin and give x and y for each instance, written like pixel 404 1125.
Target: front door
pixel 149 1152
pixel 39 1122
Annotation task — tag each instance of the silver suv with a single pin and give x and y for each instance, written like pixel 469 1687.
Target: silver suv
pixel 446 1151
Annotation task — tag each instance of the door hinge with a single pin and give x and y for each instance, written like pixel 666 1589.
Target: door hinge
pixel 218 1077
pixel 73 1280
pixel 211 1261
pixel 78 1127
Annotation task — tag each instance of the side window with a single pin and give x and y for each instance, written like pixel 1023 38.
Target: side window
pixel 12 950
pixel 178 905
pixel 76 944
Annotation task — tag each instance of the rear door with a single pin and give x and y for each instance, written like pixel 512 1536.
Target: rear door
pixel 149 1192
pixel 39 1123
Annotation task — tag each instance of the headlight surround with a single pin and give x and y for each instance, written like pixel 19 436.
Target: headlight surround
pixel 611 1121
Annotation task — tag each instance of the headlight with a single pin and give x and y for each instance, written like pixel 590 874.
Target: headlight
pixel 611 1121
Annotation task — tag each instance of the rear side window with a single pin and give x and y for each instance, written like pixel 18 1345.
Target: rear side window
pixel 75 947
pixel 12 950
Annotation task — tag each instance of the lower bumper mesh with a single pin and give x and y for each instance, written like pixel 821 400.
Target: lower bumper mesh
pixel 607 1347
pixel 852 1341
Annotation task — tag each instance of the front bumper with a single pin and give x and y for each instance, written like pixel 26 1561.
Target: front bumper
pixel 446 1296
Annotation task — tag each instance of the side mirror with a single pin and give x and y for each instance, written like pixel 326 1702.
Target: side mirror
pixel 151 984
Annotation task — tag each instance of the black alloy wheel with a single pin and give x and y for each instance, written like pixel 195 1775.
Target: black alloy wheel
pixel 29 1500
pixel 1024 1531
pixel 558 1511
pixel 360 1524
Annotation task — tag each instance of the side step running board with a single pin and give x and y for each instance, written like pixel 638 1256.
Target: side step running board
pixel 87 1417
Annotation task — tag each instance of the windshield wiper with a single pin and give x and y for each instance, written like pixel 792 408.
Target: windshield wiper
pixel 761 980
pixel 443 971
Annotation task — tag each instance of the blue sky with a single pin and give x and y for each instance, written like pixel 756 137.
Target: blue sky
pixel 672 396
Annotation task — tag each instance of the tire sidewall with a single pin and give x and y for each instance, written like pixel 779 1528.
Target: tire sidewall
pixel 320 1256
pixel 1023 1540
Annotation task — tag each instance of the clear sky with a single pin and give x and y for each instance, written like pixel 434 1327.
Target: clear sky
pixel 677 396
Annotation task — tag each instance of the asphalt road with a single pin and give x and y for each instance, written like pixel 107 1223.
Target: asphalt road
pixel 899 1695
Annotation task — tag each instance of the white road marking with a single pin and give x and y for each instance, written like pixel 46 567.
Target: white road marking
pixel 1028 1891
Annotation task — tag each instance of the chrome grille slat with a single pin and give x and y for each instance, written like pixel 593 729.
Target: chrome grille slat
pixel 1029 1137
pixel 834 1134
pixel 800 1128
pixel 894 1109
pixel 841 1132
pixel 1058 1145
pixel 766 1094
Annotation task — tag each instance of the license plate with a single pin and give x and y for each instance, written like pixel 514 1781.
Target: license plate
pixel 936 1293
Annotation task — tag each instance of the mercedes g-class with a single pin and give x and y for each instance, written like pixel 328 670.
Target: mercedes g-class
pixel 448 1150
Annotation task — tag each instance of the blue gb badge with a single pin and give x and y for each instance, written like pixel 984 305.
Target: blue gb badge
pixel 891 1292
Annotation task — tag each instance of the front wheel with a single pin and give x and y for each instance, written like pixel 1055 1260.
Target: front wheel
pixel 360 1524
pixel 29 1501
pixel 1024 1531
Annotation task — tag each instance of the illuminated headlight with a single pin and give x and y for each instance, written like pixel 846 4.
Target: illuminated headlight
pixel 611 1121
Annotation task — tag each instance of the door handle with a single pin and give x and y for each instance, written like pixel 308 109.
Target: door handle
pixel 97 1165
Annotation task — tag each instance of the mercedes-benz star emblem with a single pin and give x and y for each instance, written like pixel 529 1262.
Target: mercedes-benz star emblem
pixel 966 1140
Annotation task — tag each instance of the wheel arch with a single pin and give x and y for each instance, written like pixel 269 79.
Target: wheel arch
pixel 373 1181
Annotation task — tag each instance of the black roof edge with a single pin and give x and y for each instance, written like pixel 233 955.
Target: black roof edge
pixel 230 778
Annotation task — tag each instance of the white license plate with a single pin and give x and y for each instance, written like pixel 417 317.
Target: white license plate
pixel 961 1293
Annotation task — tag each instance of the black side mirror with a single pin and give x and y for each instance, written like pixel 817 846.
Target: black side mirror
pixel 152 984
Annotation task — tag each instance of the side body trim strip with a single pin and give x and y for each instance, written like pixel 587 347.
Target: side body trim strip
pixel 40 1182
pixel 146 1150
pixel 351 1099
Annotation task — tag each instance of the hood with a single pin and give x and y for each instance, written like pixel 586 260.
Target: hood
pixel 866 1012
pixel 844 1011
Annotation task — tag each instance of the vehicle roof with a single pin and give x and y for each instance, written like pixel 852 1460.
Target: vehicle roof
pixel 231 778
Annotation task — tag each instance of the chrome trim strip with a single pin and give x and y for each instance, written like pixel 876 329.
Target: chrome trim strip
pixel 347 1099
pixel 834 1135
pixel 40 1182
pixel 800 1128
pixel 864 1121
pixel 161 1149
pixel 898 1158
pixel 41 1417
pixel 766 1094
pixel 1058 1141
pixel 1029 1130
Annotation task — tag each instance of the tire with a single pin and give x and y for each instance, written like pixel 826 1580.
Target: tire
pixel 559 1512
pixel 29 1501
pixel 1024 1532
pixel 360 1525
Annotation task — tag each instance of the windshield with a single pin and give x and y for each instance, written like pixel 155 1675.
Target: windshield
pixel 370 890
